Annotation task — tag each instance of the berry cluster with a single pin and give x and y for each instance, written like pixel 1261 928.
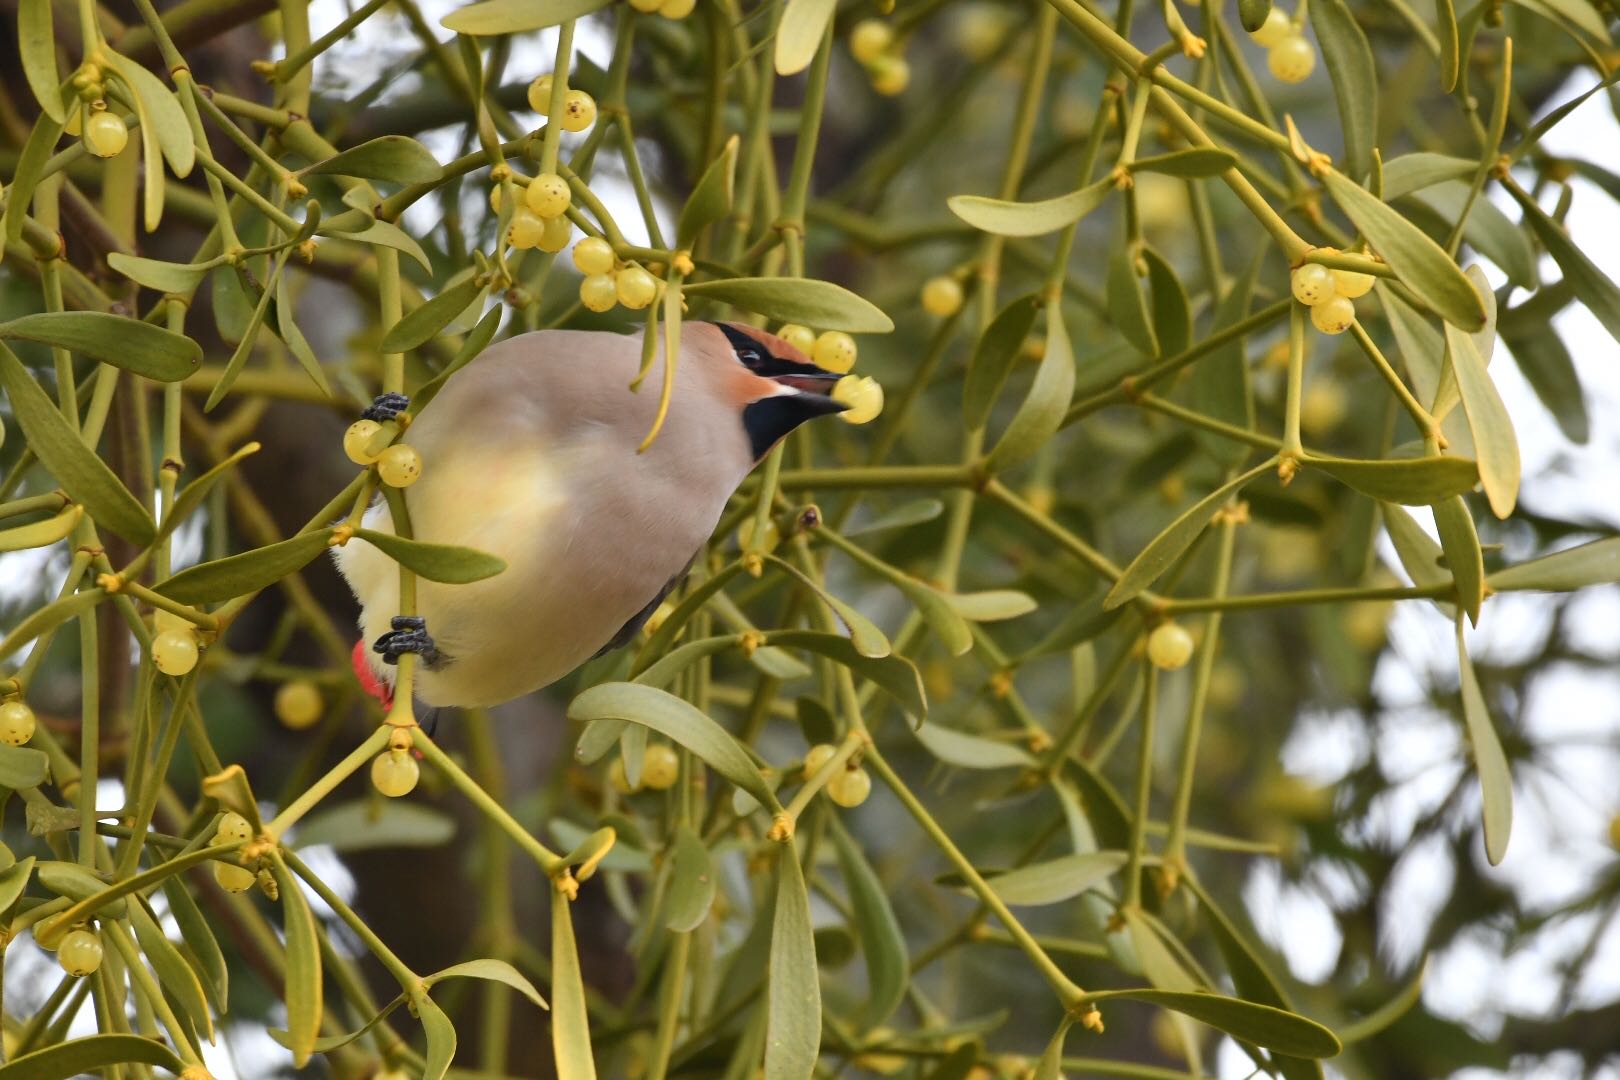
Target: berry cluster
pixel 1328 293
pixel 669 9
pixel 609 281
pixel 1290 57
pixel 398 465
pixel 104 133
pixel 174 647
pixel 848 787
pixel 873 44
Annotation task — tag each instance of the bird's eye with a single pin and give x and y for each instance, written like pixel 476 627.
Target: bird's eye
pixel 749 357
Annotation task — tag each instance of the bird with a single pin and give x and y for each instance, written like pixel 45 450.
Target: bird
pixel 532 453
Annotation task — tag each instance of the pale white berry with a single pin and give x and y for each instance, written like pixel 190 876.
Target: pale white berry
pixel 1169 646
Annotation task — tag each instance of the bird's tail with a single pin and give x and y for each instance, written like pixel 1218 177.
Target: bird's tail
pixel 368 677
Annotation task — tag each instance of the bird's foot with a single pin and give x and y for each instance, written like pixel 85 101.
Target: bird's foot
pixel 409 635
pixel 386 407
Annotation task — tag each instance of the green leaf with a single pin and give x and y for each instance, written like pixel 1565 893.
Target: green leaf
pixel 232 306
pixel 1003 217
pixel 677 660
pixel 1172 315
pixel 77 883
pixel 1041 413
pixel 1411 481
pixel 445 563
pixel 1419 263
pixel 161 111
pixel 192 495
pixel 49 617
pixel 1495 782
pixel 692 882
pixel 793 989
pixel 894 675
pixel 1159 964
pixel 1387 1013
pixel 997 350
pixel 1460 542
pixel 477 341
pixel 1414 172
pixel 1177 537
pixel 238 575
pixel 165 277
pixel 130 344
pixel 441 1037
pixel 326 1044
pixel 1595 563
pixel 1492 233
pixel 420 326
pixel 1495 444
pixel 800 300
pixel 1252 13
pixel 36 43
pixel 863 632
pixel 1263 1025
pixel 992 605
pixel 30 167
pixel 13 880
pixel 1219 383
pixel 1592 286
pixel 490 971
pixel 1197 163
pixel 1056 880
pixel 366 824
pixel 570 1020
pixel 76 467
pixel 882 943
pixel 43 533
pixel 1546 365
pixel 395 158
pixel 293 338
pixel 1127 304
pixel 711 198
pixel 1450 51
pixel 1576 13
pixel 22 767
pixel 517 16
pixel 93 1052
pixel 915 512
pixel 206 957
pixel 802 30
pixel 303 969
pixel 935 609
pixel 1350 65
pixel 661 641
pixel 967 751
pixel 382 234
pixel 180 983
pixel 679 721
pixel 1420 556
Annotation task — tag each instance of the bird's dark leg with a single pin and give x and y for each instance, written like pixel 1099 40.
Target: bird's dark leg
pixel 409 635
pixel 386 407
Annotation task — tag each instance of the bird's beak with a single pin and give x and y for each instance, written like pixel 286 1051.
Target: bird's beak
pixel 814 386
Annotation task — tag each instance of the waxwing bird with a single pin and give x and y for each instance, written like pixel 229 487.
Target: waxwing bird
pixel 530 453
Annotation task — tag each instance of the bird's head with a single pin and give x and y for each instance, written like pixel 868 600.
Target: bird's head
pixel 774 386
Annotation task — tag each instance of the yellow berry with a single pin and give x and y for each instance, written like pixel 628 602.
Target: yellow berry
pixel 1353 283
pixel 979 31
pixel 676 9
pixel 357 438
pixel 619 778
pixel 1333 316
pixel 579 111
pixel 175 651
pixel 834 351
pixel 1292 59
pixel 1322 408
pixel 540 95
pixel 1312 283
pixel 862 395
pixel 233 827
pixel 890 75
pixel 16 723
pixel 394 772
pixel 660 767
pixel 850 787
pixel 817 756
pixel 942 296
pixel 800 337
pixel 558 231
pixel 105 134
pixel 593 255
pixel 79 952
pixel 1276 27
pixel 233 878
pixel 298 704
pixel 1169 646
pixel 598 292
pixel 548 195
pixel 496 198
pixel 635 287
pixel 870 39
pixel 646 7
pixel 400 465
pixel 745 533
pixel 527 228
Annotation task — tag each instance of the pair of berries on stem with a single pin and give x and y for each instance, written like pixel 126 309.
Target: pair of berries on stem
pixel 1328 292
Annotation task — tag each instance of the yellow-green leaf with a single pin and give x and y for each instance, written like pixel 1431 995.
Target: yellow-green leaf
pixel 1416 171
pixel 931 604
pixel 1007 218
pixel 882 943
pixel 303 969
pixel 692 882
pixel 447 563
pixel 799 300
pixel 22 767
pixel 1041 413
pixel 1050 1065
pixel 180 982
pixel 1420 263
pixel 1263 1025
pixel 89 1054
pixel 1450 52
pixel 49 617
pixel 1389 1012
pixel 1411 481
pixel 422 324
pixel 894 675
pixel 993 357
pixel 1495 444
pixel 793 988
pixel 250 571
pixel 490 971
pixel 710 200
pixel 1159 964
pixel 162 111
pixel 1495 781
pixel 1200 161
pixel 1592 286
pixel 1127 304
pixel 802 30
pixel 1460 542
pixel 230 788
pixel 30 167
pixel 1596 563
pixel 382 234
pixel 441 1038
pixel 1350 65
pixel 76 467
pixel 863 632
pixel 130 344
pixel 192 495
pixel 967 751
pixel 1056 880
pixel 992 605
pixel 13 880
pixel 293 338
pixel 42 533
pixel 570 1020
pixel 165 277
pixel 367 824
pixel 396 158
pixel 1219 383
pixel 206 957
pixel 517 16
pixel 36 42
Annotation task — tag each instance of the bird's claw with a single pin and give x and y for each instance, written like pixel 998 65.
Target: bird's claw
pixel 409 635
pixel 386 407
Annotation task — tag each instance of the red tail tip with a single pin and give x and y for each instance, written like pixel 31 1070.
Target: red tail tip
pixel 368 678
